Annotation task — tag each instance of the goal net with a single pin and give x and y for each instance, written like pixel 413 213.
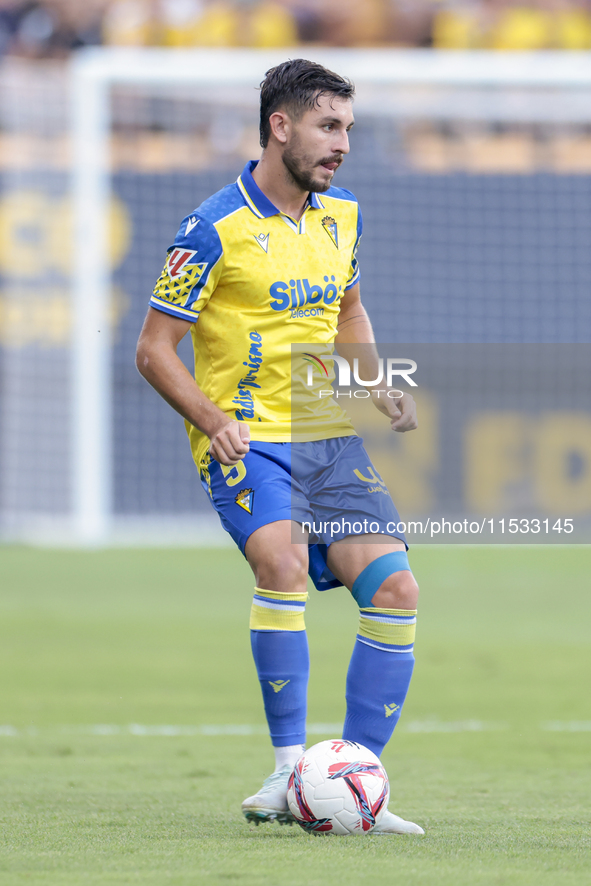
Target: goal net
pixel 473 171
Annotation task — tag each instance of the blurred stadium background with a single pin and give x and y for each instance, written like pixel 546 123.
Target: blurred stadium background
pixel 52 28
pixel 471 160
pixel 130 719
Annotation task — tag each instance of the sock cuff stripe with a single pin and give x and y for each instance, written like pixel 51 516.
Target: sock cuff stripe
pixel 385 647
pixel 278 597
pixel 284 605
pixel 276 618
pixel 401 613
pixel 393 632
pixel 389 620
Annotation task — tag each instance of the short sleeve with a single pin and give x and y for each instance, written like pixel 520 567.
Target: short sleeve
pixel 192 270
pixel 354 269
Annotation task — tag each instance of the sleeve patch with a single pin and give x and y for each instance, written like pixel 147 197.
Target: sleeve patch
pixel 177 260
pixel 179 277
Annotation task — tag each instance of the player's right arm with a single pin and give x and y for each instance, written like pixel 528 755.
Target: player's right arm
pixel 157 360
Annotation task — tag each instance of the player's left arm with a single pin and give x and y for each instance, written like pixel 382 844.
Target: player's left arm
pixel 355 339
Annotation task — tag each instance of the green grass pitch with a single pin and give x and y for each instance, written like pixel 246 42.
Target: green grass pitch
pixel 491 755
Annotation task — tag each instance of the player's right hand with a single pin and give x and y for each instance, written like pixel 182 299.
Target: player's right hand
pixel 231 443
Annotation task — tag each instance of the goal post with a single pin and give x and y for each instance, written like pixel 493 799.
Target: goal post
pixel 91 294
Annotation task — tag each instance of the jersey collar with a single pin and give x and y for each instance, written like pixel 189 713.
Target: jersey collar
pixel 257 201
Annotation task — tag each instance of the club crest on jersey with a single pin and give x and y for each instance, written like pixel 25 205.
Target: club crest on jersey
pixel 330 226
pixel 178 260
pixel 263 241
pixel 245 500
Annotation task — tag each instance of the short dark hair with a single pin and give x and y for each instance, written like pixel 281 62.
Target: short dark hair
pixel 296 85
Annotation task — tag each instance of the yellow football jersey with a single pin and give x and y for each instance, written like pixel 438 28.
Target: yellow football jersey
pixel 255 283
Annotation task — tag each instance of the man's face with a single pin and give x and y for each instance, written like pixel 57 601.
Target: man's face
pixel 317 143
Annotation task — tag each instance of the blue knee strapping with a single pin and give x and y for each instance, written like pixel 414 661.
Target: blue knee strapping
pixel 369 580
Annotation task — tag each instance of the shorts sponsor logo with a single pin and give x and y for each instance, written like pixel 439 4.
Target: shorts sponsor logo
pixel 373 478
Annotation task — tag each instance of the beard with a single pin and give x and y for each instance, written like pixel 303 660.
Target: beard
pixel 300 168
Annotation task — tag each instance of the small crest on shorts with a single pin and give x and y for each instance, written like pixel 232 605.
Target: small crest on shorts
pixel 245 500
pixel 330 226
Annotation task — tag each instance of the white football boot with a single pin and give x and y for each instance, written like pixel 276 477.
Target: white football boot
pixel 270 803
pixel 388 823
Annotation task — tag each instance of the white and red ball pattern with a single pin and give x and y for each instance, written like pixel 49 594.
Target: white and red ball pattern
pixel 338 787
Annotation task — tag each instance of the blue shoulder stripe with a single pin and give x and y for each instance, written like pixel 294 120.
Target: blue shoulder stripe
pixel 221 204
pixel 340 194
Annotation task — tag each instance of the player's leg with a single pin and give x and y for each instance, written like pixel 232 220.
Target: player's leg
pixel 254 500
pixel 278 635
pixel 346 495
pixel 280 651
pixel 381 666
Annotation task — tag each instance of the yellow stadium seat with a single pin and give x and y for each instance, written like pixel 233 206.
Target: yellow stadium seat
pixel 573 29
pixel 129 23
pixel 218 26
pixel 522 27
pixel 455 29
pixel 272 25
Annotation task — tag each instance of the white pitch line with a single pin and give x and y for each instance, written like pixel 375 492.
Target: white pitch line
pixel 8 731
pixel 107 729
pixel 567 726
pixel 426 726
pixel 432 724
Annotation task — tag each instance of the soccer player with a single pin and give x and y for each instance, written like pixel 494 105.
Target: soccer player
pixel 267 262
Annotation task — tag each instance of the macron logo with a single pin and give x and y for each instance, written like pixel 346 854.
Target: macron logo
pixel 192 223
pixel 263 241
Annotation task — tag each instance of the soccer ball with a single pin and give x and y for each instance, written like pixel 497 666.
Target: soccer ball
pixel 337 787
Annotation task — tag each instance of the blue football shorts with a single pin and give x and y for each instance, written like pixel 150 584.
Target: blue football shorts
pixel 329 486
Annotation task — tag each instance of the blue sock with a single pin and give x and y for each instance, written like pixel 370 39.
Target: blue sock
pixel 379 675
pixel 280 650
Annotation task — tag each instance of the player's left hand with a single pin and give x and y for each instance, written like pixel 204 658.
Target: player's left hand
pixel 402 411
